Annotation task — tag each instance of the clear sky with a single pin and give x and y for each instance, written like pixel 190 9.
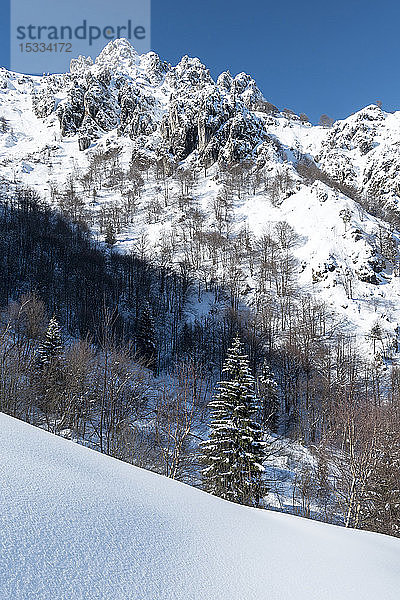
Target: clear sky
pixel 311 56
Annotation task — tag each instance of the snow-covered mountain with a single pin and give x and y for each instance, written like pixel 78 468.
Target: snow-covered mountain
pixel 363 151
pixel 201 135
pixel 77 524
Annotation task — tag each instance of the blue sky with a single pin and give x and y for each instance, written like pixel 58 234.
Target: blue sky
pixel 312 57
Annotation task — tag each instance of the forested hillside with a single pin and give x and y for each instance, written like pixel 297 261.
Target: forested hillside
pixel 158 227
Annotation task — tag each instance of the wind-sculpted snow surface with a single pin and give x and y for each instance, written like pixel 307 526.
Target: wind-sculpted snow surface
pixel 79 525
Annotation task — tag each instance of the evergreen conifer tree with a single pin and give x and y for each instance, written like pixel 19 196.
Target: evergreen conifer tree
pixel 51 349
pixel 49 375
pixel 234 452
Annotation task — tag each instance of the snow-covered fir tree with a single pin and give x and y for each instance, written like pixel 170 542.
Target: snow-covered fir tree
pixel 146 339
pixel 234 452
pixel 50 369
pixel 267 392
pixel 51 349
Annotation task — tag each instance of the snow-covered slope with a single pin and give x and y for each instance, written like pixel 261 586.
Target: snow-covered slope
pixel 79 525
pixel 179 118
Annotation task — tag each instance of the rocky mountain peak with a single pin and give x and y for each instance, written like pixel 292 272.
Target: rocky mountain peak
pixel 154 68
pixel 189 75
pixel 119 55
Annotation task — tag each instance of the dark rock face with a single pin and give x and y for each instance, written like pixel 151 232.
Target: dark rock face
pixel 4 78
pixel 43 104
pixel 100 106
pixel 217 122
pixel 377 264
pixel 84 143
pixel 368 278
pixel 71 112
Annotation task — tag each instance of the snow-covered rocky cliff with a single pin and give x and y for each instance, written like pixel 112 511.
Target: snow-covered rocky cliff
pixel 206 150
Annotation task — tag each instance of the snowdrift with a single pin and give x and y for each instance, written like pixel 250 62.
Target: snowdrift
pixel 75 524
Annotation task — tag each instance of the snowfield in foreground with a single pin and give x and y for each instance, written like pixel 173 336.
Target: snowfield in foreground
pixel 75 524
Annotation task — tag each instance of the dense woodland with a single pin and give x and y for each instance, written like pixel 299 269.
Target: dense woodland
pixel 107 347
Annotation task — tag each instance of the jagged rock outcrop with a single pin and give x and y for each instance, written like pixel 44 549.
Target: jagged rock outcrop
pixel 363 151
pixel 179 109
pixel 71 111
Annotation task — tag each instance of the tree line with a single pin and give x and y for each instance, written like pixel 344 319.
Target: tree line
pixel 91 336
